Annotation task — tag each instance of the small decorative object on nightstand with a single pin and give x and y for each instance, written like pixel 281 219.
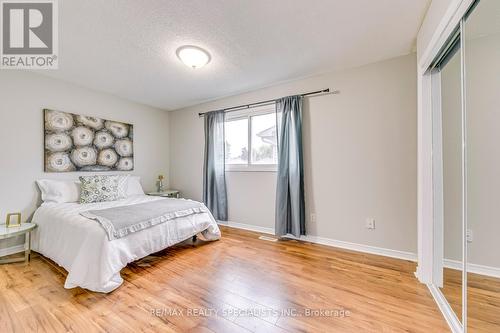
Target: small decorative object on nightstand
pixel 11 231
pixel 159 183
pixel 166 194
pixel 8 222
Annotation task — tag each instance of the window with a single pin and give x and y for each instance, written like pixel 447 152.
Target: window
pixel 236 145
pixel 251 142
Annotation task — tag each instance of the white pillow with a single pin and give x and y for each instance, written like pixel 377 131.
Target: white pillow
pixel 134 186
pixel 122 186
pixel 59 191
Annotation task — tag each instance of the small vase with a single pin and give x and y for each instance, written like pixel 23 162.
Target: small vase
pixel 160 186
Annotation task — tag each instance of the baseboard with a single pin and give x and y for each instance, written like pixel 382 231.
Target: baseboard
pixel 331 242
pixel 359 247
pixel 11 250
pixel 248 227
pixel 417 273
pixel 445 308
pixel 473 268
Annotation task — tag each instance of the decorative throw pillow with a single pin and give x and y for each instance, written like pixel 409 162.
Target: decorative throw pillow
pixel 99 188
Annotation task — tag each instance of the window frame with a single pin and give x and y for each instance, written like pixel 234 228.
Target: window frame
pixel 248 114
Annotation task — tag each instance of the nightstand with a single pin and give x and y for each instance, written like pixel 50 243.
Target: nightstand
pixel 24 229
pixel 166 194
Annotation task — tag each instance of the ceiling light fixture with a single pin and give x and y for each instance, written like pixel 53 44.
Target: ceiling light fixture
pixel 193 56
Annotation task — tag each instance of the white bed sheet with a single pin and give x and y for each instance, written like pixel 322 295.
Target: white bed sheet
pixel 81 246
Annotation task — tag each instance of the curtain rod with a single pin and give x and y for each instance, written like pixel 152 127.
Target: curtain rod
pixel 252 105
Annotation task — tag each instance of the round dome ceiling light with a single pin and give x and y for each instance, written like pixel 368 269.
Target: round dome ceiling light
pixel 193 56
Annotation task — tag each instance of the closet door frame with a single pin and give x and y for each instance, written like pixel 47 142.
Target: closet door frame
pixel 430 221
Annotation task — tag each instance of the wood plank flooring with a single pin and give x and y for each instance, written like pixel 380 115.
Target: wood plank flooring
pixel 237 284
pixel 483 304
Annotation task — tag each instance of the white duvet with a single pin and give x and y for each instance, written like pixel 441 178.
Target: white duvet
pixel 81 246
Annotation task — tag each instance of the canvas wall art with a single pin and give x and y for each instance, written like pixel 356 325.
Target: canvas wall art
pixel 82 143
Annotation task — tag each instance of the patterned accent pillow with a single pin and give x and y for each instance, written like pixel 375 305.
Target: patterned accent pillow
pixel 99 188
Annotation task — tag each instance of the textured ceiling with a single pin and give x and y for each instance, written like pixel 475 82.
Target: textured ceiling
pixel 127 47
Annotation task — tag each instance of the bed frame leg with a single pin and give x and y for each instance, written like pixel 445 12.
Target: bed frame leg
pixel 194 238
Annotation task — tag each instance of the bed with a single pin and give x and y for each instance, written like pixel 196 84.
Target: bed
pixel 93 262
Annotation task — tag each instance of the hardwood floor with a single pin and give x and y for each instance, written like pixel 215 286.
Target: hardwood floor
pixel 452 290
pixel 483 304
pixel 240 282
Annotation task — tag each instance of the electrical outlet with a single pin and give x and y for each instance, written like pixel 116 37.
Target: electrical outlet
pixel 468 236
pixel 313 218
pixel 370 223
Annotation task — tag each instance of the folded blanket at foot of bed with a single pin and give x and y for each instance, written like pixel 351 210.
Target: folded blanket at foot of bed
pixel 120 221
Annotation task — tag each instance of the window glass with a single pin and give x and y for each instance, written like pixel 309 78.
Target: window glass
pixel 236 137
pixel 264 141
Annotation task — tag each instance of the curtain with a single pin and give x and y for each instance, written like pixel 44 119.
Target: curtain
pixel 214 180
pixel 290 204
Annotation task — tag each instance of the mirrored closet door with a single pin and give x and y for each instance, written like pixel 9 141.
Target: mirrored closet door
pixel 448 168
pixel 466 169
pixel 482 99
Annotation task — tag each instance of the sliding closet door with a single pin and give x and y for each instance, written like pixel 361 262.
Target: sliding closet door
pixel 448 170
pixel 482 82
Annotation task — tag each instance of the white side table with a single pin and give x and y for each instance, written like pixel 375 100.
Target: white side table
pixel 166 194
pixel 23 229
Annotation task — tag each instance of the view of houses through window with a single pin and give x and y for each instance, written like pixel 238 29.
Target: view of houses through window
pixel 250 139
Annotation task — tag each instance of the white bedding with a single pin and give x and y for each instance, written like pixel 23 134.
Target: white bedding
pixel 81 246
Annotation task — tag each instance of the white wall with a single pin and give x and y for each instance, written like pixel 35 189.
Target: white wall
pixel 23 96
pixel 360 156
